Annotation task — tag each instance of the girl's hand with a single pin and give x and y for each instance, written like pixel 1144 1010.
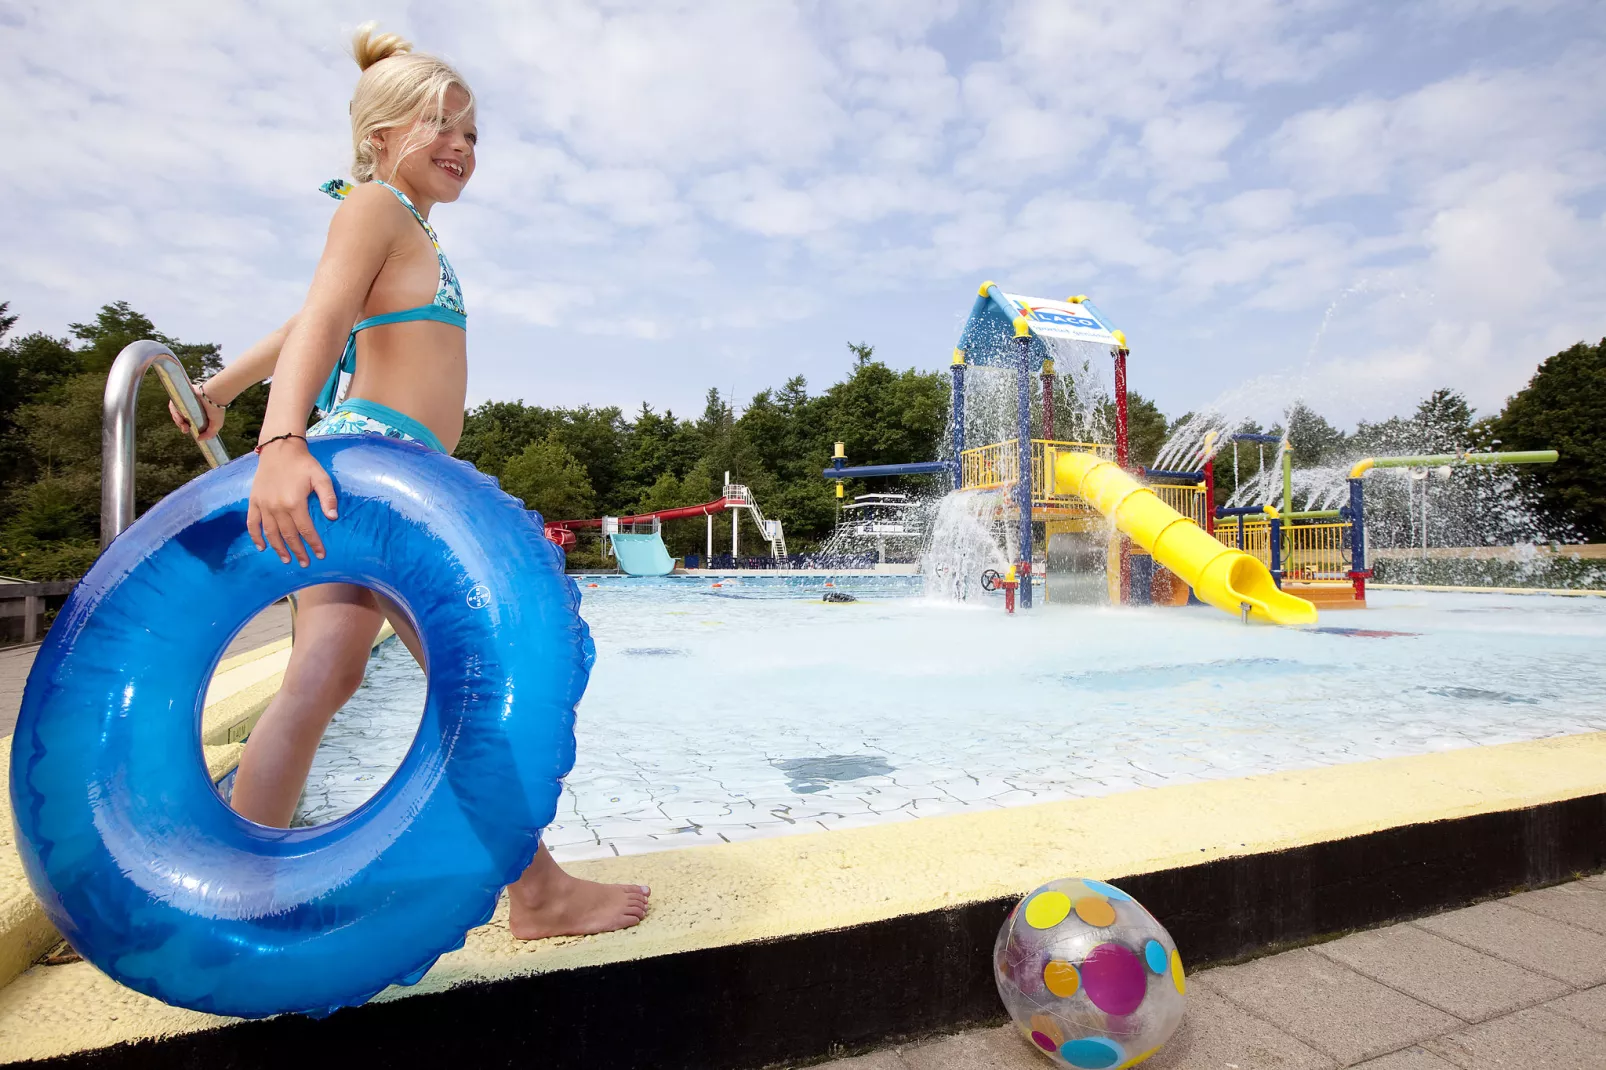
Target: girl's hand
pixel 287 475
pixel 214 417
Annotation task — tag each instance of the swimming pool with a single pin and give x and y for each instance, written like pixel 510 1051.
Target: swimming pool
pixel 756 709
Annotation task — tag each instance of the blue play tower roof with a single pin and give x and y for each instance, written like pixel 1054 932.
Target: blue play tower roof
pixel 998 318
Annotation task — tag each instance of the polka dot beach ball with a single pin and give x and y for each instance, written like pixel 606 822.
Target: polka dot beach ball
pixel 1089 976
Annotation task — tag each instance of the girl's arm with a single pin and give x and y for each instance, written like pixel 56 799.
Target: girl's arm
pixel 247 369
pixel 361 236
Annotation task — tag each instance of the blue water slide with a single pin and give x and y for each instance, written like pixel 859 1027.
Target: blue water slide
pixel 642 555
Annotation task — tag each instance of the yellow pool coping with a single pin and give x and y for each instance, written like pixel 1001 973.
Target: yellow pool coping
pixel 768 889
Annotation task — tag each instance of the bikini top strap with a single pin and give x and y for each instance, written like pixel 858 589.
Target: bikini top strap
pixel 400 196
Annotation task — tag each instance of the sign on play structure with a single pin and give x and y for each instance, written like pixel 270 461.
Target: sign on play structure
pixel 1062 319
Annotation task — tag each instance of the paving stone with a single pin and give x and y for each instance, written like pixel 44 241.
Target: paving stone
pixel 1596 881
pixel 1585 1008
pixel 1542 944
pixel 876 1060
pixel 1412 1058
pixel 1002 1048
pixel 1323 1004
pixel 1528 1038
pixel 1442 973
pixel 1572 903
pixel 1217 1035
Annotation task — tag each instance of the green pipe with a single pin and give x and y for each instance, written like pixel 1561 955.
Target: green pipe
pixel 1288 478
pixel 1432 460
pixel 1314 514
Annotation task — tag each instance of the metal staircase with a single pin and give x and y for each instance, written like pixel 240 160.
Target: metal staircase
pixel 737 496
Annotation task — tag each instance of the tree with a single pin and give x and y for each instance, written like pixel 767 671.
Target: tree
pixel 550 480
pixel 1314 440
pixel 1563 408
pixel 1445 420
pixel 50 425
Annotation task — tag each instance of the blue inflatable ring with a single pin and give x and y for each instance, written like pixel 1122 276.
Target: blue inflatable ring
pixel 152 877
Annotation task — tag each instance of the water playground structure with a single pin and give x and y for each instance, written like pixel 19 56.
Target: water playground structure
pixel 1122 535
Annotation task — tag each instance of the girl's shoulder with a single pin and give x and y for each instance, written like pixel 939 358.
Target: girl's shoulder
pixel 368 204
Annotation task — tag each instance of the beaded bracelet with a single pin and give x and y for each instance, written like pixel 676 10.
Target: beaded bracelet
pixel 200 389
pixel 277 438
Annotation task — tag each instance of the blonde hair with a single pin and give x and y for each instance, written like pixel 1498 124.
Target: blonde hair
pixel 398 87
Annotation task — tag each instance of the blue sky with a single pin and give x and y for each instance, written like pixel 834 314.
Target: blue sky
pixel 1366 200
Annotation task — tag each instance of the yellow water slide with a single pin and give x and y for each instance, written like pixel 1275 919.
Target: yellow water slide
pixel 1228 579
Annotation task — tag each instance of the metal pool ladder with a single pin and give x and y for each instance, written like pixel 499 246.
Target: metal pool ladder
pixel 117 428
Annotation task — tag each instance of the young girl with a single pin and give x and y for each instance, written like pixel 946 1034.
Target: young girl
pixel 413 134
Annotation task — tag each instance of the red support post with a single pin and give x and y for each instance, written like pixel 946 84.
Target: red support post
pixel 1210 492
pixel 1121 461
pixel 1120 408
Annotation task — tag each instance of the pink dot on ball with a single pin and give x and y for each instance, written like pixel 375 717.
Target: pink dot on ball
pixel 1043 1042
pixel 1113 978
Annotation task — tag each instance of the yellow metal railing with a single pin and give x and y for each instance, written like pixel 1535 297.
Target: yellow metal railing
pixel 1311 552
pixel 1187 500
pixel 998 465
pixel 1315 552
pixel 1256 537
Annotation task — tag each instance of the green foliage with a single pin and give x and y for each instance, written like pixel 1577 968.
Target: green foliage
pixel 588 461
pixel 1314 440
pixel 550 480
pixel 1145 429
pixel 37 562
pixel 51 396
pixel 1563 408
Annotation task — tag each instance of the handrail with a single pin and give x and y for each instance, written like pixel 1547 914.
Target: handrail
pixel 117 428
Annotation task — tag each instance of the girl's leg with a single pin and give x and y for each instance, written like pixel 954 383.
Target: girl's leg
pixel 335 628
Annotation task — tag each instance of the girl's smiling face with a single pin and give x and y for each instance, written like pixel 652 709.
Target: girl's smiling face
pixel 437 160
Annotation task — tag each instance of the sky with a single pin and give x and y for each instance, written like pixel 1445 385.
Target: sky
pixel 1354 202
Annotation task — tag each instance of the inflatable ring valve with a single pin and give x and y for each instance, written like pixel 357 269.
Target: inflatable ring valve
pixel 151 876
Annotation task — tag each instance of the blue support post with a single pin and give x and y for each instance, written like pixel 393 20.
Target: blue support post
pixel 1357 532
pixel 958 373
pixel 1023 484
pixel 1277 551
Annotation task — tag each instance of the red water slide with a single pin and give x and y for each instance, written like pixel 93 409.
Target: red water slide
pixel 562 531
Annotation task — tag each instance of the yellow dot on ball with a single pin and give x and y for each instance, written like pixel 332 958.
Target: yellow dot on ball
pixel 1042 1023
pixel 1137 1060
pixel 1047 910
pixel 1095 911
pixel 1176 974
pixel 1062 979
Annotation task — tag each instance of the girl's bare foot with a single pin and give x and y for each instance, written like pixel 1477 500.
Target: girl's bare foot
pixel 546 901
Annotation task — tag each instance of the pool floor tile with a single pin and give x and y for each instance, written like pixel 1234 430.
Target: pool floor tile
pixel 1469 984
pixel 1541 944
pixel 1319 1002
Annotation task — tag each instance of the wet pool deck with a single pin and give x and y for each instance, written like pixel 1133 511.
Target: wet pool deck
pixel 1518 982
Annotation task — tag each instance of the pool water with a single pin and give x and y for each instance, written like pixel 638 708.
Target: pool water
pixel 758 709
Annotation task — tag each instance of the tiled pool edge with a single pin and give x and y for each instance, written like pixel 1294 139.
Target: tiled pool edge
pixel 794 948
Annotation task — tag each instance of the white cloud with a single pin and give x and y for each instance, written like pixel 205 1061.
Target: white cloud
pixel 654 173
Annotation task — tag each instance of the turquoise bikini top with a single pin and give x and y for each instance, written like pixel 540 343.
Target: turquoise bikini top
pixel 446 308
